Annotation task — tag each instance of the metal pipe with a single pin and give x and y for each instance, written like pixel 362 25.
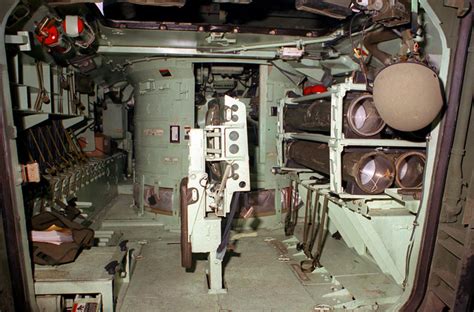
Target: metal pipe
pixel 186 248
pixel 311 97
pixel 184 52
pixel 409 167
pixel 372 171
pixel 234 206
pixel 452 202
pixel 298 43
pixel 362 118
pixel 310 154
pixel 445 143
pixel 309 117
pixel 141 196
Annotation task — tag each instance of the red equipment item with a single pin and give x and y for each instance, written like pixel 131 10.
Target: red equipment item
pixel 77 28
pixel 73 25
pixel 314 89
pixel 49 35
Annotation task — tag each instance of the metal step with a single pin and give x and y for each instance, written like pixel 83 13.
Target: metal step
pixel 445 293
pixel 448 277
pixel 455 231
pixel 452 246
pixel 107 238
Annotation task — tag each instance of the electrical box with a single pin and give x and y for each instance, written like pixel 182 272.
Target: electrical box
pixel 114 120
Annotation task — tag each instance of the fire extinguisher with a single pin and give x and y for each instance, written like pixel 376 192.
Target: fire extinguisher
pixel 80 32
pixel 48 32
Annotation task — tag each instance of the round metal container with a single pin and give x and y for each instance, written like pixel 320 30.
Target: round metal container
pixel 410 167
pixel 164 111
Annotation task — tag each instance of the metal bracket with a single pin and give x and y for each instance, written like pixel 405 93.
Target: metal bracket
pixel 111 267
pixel 226 143
pixel 22 39
pixel 29 121
pixel 220 39
pixel 69 122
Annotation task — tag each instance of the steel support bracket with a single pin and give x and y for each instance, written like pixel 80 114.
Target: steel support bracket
pixel 22 39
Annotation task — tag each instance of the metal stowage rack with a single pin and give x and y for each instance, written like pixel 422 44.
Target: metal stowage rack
pixel 375 225
pixel 336 139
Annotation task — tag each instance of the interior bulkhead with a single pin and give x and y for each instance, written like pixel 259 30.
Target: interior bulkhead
pixel 236 155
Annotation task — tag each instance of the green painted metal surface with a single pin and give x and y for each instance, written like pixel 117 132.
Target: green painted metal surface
pixel 164 98
pixel 162 102
pixel 104 186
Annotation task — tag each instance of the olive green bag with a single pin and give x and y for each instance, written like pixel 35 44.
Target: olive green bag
pixel 51 254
